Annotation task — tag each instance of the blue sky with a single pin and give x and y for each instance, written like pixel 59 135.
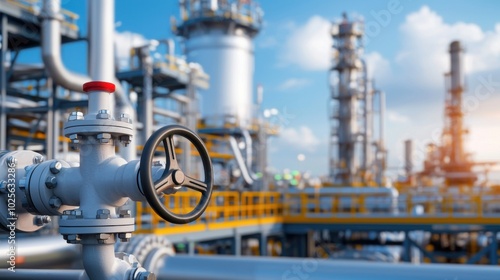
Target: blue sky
pixel 407 55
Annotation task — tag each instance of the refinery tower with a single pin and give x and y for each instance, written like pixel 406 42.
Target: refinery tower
pixel 357 157
pixel 218 35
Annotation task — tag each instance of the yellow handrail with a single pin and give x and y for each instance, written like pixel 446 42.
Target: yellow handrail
pixel 234 208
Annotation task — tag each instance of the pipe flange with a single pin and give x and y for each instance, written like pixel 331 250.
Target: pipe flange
pixel 69 224
pixel 41 184
pixel 97 126
pixel 148 249
pixel 24 221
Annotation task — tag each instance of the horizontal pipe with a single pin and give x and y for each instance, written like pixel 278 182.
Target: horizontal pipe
pixel 246 268
pixel 40 252
pixel 167 113
pixel 43 274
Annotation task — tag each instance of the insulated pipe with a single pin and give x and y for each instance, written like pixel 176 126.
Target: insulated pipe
pixel 247 268
pixel 248 148
pixel 51 49
pixel 51 56
pixel 239 159
pixel 43 274
pixel 40 252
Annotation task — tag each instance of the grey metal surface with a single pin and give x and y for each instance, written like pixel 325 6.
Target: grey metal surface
pixel 99 36
pixel 50 251
pixel 246 268
pixel 3 82
pixel 43 274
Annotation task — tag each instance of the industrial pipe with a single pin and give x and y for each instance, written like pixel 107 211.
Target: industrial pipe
pixel 101 40
pixel 240 160
pixel 41 252
pixel 246 268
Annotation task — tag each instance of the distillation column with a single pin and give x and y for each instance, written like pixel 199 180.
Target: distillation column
pixel 218 35
pixel 455 161
pixel 350 141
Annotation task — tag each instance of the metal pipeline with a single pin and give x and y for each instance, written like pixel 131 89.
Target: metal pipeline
pixel 43 274
pixel 241 162
pixel 101 45
pixel 246 268
pixel 41 252
pixel 248 148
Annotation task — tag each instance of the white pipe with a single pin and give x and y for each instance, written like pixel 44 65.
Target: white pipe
pixel 51 49
pixel 239 159
pixel 248 148
pixel 51 56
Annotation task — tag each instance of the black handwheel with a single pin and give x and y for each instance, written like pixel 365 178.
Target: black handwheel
pixel 173 176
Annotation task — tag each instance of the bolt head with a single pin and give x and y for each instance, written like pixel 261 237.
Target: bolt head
pixel 77 213
pixel 73 238
pixel 125 214
pixel 12 160
pixel 74 116
pixel 42 220
pixel 75 139
pixel 125 118
pixel 103 214
pixel 55 202
pixel 103 137
pixel 126 139
pixel 103 236
pixel 103 114
pixel 51 182
pixel 55 167
pixel 3 187
pixel 38 159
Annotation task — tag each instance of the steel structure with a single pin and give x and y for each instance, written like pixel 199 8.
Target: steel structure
pixel 218 31
pixel 86 194
pixel 449 159
pixel 355 156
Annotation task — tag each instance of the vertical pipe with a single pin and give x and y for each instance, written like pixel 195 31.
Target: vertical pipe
pixel 147 95
pixel 368 117
pixel 263 244
pixel 494 248
pixel 455 111
pixel 101 52
pixel 237 244
pixel 408 157
pixel 3 83
pixel 50 140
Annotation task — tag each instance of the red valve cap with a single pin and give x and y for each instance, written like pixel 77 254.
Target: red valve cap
pixel 99 86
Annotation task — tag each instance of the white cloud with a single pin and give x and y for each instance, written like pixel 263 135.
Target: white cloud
pixel 301 138
pixel 396 117
pixel 309 46
pixel 124 41
pixel 379 68
pixel 426 38
pixel 293 83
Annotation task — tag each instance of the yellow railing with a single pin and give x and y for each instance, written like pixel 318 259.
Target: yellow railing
pixel 235 208
pixel 228 209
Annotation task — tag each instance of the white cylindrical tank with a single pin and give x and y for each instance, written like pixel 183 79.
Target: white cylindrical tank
pixel 218 35
pixel 228 60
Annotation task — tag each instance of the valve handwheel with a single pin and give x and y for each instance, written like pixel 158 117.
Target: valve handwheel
pixel 173 176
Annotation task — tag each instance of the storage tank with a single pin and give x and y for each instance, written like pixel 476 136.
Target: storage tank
pixel 218 35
